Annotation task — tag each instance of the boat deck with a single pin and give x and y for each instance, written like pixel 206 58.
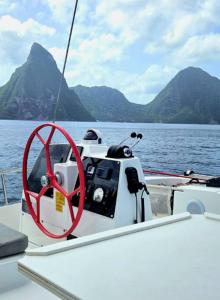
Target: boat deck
pixel 176 257
pixel 14 285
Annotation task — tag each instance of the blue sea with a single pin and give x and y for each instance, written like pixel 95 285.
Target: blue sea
pixel 165 147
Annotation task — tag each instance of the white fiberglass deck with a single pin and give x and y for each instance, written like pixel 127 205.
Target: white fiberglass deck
pixel 176 257
pixel 15 286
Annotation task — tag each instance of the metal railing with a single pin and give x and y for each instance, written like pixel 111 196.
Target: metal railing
pixel 4 200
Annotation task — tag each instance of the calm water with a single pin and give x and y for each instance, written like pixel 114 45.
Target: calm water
pixel 166 147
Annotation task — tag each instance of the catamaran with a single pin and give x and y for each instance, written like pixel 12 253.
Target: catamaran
pixel 92 224
pixel 88 208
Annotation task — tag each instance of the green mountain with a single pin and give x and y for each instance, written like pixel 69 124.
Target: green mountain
pixel 192 96
pixel 31 92
pixel 107 104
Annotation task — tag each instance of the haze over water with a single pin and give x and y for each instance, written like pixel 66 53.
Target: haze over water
pixel 165 147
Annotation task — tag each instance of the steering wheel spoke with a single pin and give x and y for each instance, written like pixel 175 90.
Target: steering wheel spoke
pixel 50 135
pixel 42 192
pixel 40 138
pixel 38 211
pixel 71 211
pixel 72 194
pixel 32 194
pixel 48 161
pixel 60 189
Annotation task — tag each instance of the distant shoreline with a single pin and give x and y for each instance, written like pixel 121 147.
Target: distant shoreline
pixel 111 122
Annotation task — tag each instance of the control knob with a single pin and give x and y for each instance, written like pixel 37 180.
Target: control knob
pixel 98 195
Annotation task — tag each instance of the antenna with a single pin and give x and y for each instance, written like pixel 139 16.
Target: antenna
pixel 132 135
pixel 139 137
pixel 64 65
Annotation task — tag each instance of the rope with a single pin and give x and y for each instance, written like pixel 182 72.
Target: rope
pixel 200 180
pixel 65 61
pixel 164 173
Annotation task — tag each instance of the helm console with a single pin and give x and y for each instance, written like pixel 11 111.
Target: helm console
pixel 114 190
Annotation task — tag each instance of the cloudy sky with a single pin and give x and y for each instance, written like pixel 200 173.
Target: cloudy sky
pixel 136 46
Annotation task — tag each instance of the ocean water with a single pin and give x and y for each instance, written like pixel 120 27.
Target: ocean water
pixel 165 147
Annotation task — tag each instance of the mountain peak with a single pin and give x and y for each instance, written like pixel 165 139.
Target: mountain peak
pixel 38 47
pixel 108 104
pixel 40 53
pixel 190 72
pixel 192 96
pixel 192 69
pixel 32 91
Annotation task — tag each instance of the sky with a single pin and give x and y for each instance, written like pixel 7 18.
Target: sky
pixel 136 46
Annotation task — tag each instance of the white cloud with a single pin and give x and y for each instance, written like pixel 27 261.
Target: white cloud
pixel 16 38
pixel 60 9
pixel 99 50
pixel 199 49
pixel 169 29
pixel 10 24
pixel 7 6
pixel 181 27
pixel 142 88
pixel 182 21
pixel 130 19
pixel 137 87
pixel 162 35
pixel 102 48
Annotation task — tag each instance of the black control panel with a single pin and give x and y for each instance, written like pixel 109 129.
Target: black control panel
pixel 102 177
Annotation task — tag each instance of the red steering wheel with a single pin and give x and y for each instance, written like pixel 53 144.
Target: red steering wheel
pixel 52 180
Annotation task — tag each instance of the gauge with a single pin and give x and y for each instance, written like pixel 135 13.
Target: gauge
pixel 98 195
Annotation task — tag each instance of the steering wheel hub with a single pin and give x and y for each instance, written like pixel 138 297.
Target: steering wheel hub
pixel 45 181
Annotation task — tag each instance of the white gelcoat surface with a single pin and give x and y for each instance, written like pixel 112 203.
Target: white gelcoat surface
pixel 209 196
pixel 10 215
pixel 152 260
pixel 15 286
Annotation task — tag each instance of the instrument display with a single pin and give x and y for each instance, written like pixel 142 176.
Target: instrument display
pixel 102 177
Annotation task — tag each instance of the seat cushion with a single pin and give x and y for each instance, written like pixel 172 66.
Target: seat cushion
pixel 11 241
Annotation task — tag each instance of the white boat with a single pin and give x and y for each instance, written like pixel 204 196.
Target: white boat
pixel 91 225
pixel 94 227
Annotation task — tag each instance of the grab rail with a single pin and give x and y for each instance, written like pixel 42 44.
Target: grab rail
pixel 3 189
